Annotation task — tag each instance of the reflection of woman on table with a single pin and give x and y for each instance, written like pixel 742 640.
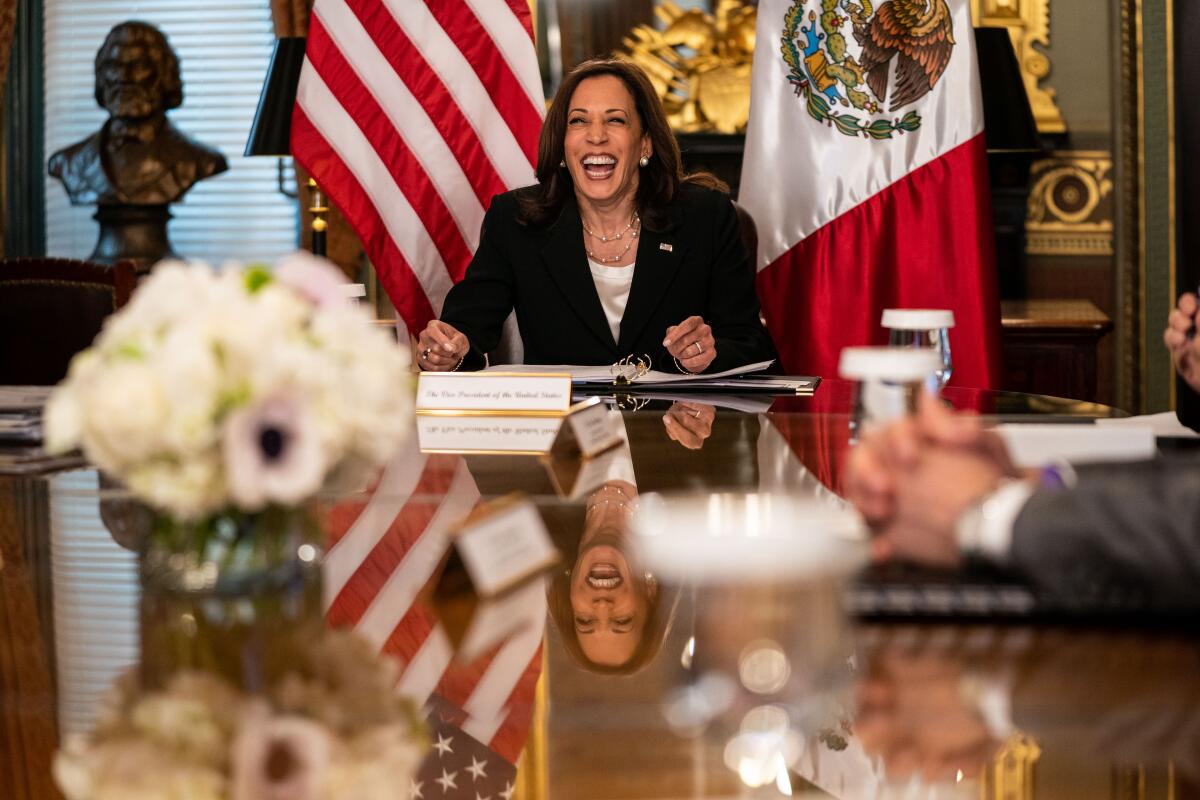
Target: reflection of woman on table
pixel 614 252
pixel 610 613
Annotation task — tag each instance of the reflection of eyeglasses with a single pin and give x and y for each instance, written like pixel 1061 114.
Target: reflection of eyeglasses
pixel 629 369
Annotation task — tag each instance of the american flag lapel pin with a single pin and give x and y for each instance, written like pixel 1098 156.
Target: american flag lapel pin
pixel 666 246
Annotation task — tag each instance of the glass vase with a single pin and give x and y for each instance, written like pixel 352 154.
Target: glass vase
pixel 234 594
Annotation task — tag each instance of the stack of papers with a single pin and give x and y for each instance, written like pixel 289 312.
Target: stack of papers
pixel 1037 445
pixel 21 412
pixel 21 433
pixel 740 379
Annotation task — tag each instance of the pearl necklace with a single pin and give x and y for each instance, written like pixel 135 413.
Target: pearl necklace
pixel 614 237
pixel 633 236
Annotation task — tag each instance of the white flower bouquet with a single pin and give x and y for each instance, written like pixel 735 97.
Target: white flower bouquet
pixel 332 728
pixel 235 389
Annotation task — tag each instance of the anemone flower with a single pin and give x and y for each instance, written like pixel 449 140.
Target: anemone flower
pixel 272 453
pixel 280 758
pixel 315 278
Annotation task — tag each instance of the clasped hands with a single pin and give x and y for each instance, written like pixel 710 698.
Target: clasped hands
pixel 913 479
pixel 441 347
pixel 1182 342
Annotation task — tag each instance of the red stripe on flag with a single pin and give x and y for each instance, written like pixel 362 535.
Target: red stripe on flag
pixel 408 526
pixel 520 9
pixel 320 160
pixel 404 167
pixel 425 85
pixel 473 40
pixel 509 740
pixel 410 634
pixel 924 242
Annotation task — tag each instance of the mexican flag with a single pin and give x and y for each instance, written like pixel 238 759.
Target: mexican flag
pixel 865 171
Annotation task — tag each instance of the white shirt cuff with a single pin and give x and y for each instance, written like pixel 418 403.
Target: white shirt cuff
pixel 986 530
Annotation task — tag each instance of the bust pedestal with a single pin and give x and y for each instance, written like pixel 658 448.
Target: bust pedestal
pixel 136 233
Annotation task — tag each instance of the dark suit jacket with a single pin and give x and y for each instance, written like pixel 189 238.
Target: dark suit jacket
pixel 1127 534
pixel 695 266
pixel 1187 405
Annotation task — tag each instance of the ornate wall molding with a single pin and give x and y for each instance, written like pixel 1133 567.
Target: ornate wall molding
pixel 1070 210
pixel 1028 23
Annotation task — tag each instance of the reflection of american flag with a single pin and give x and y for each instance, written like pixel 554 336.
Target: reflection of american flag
pixel 384 551
pixel 411 115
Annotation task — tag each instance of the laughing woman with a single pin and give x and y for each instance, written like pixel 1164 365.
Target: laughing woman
pixel 614 252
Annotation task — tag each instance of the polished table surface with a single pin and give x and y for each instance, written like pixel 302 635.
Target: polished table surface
pixel 895 708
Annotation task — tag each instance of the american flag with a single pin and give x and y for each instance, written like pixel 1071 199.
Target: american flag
pixel 383 553
pixel 411 115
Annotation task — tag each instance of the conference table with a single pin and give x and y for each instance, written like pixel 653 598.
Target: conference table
pixel 759 688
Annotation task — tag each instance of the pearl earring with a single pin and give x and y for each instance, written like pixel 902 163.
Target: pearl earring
pixel 644 160
pixel 562 163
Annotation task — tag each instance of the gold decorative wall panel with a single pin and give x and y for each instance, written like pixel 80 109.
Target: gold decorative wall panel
pixel 699 63
pixel 1028 23
pixel 1070 208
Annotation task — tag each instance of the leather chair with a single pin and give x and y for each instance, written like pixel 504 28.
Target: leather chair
pixel 50 309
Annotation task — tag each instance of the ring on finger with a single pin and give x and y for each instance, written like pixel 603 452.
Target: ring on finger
pixel 699 348
pixel 696 413
pixel 425 354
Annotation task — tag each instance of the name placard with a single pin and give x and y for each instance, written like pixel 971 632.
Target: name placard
pixel 487 434
pixel 504 546
pixel 588 430
pixel 511 392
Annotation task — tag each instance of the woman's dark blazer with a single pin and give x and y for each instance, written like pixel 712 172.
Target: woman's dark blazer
pixel 696 265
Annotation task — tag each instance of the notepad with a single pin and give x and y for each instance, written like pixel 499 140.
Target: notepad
pixel 604 374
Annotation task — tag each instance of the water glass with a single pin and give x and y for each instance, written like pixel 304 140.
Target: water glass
pixel 889 382
pixel 923 328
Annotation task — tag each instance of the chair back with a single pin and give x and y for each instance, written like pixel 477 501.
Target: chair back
pixel 50 309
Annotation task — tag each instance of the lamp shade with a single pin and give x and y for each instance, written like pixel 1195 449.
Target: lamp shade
pixel 270 135
pixel 1007 117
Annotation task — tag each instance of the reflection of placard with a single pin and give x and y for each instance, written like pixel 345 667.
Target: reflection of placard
pixel 587 431
pixel 472 434
pixel 577 476
pixel 504 545
pixel 493 392
pixel 489 586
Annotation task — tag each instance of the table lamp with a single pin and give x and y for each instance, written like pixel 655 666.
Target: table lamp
pixel 270 135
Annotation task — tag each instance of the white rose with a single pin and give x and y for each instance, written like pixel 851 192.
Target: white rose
pixel 124 410
pixel 188 490
pixel 63 421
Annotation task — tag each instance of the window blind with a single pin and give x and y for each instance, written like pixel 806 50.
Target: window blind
pixel 95 601
pixel 224 47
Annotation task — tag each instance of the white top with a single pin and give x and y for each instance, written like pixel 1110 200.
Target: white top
pixel 917 319
pixel 888 363
pixel 612 284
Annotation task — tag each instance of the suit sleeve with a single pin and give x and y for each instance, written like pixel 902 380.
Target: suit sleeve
pixel 1187 406
pixel 733 302
pixel 479 304
pixel 1126 534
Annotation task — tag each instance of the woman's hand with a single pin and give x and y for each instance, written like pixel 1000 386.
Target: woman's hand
pixel 441 348
pixel 689 423
pixel 1185 349
pixel 691 343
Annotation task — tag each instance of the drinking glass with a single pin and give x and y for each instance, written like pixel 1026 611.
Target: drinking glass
pixel 889 382
pixel 923 328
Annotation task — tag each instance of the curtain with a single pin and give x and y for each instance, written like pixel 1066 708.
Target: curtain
pixel 291 19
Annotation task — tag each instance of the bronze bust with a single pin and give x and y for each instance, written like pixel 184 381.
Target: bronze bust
pixel 137 157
